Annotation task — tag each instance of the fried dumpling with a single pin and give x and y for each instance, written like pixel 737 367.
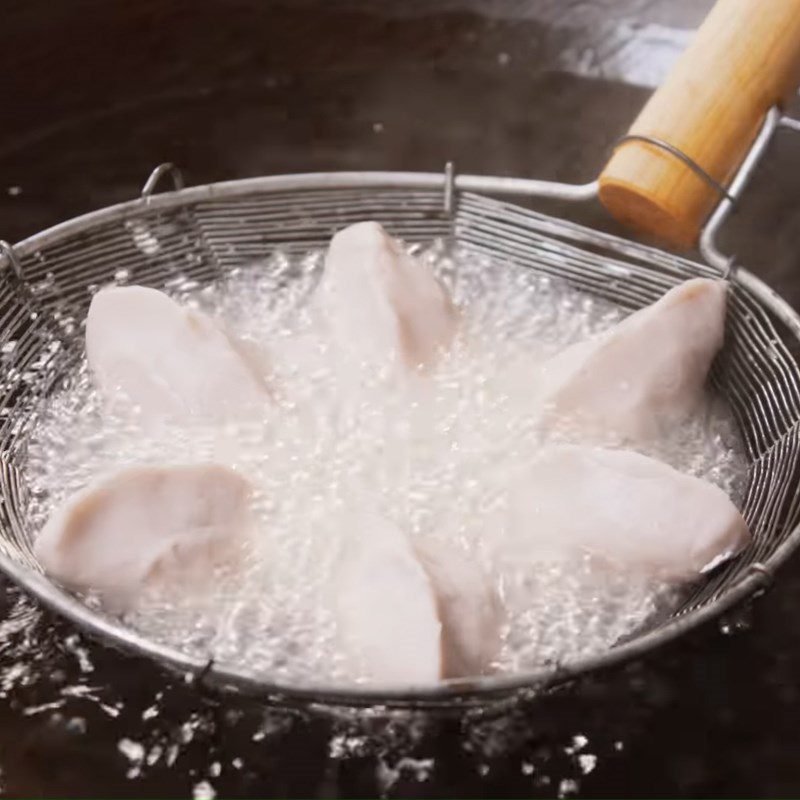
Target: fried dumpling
pixel 144 525
pixel 169 361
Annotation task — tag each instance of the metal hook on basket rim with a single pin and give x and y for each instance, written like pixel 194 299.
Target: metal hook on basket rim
pixel 157 174
pixel 757 568
pixel 201 677
pixel 449 187
pixel 763 574
pixel 11 257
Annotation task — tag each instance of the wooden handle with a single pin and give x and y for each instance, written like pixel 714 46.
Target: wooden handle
pixel 744 59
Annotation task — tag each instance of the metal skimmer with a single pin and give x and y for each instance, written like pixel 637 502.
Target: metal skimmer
pixel 202 232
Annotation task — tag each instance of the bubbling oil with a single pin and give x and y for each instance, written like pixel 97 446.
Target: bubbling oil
pixel 431 453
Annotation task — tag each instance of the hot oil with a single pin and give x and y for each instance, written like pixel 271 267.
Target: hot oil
pixel 431 451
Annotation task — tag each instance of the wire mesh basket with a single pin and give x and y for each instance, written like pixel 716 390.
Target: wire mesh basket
pixel 203 232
